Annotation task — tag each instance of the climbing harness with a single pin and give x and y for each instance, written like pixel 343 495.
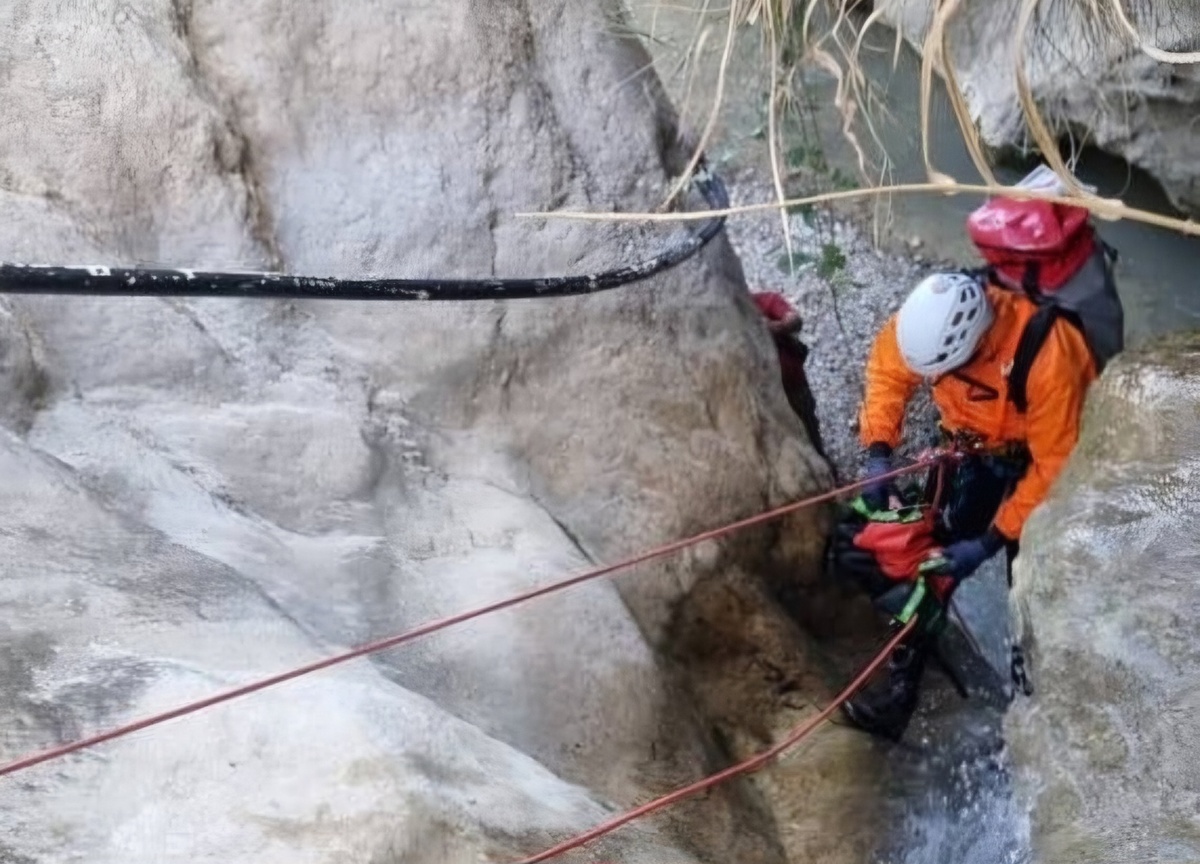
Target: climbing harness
pixel 972 443
pixel 894 553
pixel 1008 461
pixel 895 557
pixel 142 282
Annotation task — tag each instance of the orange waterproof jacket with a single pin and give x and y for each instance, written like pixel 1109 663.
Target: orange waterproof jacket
pixel 974 398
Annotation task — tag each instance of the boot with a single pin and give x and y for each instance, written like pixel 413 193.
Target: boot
pixel 885 706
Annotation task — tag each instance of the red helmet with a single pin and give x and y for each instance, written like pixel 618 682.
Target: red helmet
pixel 1033 243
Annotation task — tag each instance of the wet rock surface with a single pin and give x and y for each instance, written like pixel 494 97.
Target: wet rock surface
pixel 1107 604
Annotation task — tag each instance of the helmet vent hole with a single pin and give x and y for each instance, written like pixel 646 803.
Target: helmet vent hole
pixel 942 322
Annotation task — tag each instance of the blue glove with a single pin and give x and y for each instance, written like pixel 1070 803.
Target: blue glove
pixel 963 558
pixel 879 462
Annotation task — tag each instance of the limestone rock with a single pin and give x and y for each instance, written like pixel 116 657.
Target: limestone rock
pixel 1108 604
pixel 226 488
pixel 106 619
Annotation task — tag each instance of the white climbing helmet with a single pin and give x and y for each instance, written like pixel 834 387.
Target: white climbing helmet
pixel 941 323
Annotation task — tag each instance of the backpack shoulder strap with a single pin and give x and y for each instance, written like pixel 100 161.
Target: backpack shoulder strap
pixel 1032 338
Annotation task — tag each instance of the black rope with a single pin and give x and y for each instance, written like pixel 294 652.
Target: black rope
pixel 142 282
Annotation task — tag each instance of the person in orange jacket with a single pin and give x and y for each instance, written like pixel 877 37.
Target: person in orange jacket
pixel 960 336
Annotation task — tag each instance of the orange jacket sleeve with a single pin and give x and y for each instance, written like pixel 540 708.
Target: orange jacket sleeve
pixel 889 386
pixel 1057 388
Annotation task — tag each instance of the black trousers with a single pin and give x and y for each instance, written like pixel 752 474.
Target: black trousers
pixel 973 490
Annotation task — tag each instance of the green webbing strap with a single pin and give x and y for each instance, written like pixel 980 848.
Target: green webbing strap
pixel 914 600
pixel 903 515
pixel 932 565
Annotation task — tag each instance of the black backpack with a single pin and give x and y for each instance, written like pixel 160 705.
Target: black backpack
pixel 1089 301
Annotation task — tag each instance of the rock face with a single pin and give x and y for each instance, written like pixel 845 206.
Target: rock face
pixel 198 493
pixel 1108 604
pixel 1087 75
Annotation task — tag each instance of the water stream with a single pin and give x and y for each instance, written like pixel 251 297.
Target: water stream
pixel 1157 268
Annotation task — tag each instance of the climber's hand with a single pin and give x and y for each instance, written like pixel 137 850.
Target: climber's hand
pixel 879 462
pixel 959 560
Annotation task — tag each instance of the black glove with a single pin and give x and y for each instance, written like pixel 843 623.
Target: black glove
pixel 879 462
pixel 961 559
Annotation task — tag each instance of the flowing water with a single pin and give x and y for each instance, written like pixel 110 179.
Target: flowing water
pixel 949 781
pixel 1157 266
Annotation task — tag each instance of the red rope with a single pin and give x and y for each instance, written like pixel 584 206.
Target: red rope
pixel 443 623
pixel 752 764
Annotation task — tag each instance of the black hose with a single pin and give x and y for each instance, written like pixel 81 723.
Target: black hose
pixel 142 282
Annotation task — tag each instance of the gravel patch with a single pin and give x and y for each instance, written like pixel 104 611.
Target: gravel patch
pixel 845 289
